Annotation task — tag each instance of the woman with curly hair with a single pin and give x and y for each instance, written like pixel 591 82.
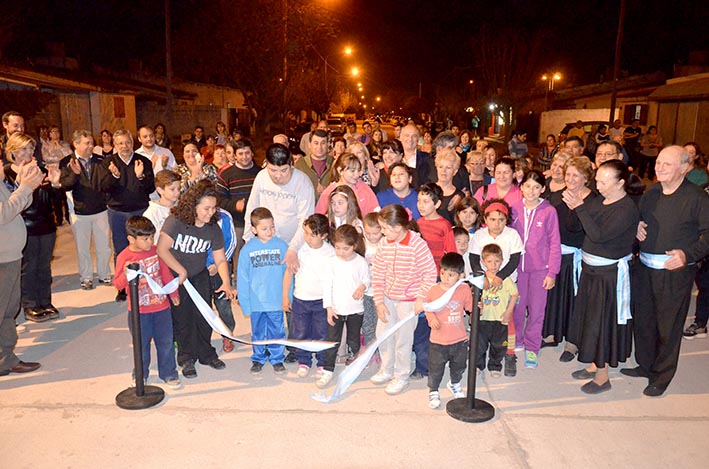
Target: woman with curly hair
pixel 188 234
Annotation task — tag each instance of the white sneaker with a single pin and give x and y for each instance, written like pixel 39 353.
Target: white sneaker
pixel 381 377
pixel 495 374
pixel 324 379
pixel 434 399
pixel 174 383
pixel 456 389
pixel 396 385
pixel 519 348
pixel 303 371
pixel 318 372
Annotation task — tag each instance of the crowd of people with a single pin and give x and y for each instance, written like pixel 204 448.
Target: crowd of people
pixel 370 234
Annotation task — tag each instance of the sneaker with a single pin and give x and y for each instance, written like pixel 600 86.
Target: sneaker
pixel 510 365
pixel 519 348
pixel 87 285
pixel 456 389
pixel 495 373
pixel 349 360
pixel 290 358
pixel 318 372
pixel 303 371
pixel 396 385
pixel 188 369
pixel 106 282
pixel 279 368
pixel 381 377
pixel 174 382
pixel 256 368
pixel 434 400
pixel 531 360
pixel 324 379
pixel 695 332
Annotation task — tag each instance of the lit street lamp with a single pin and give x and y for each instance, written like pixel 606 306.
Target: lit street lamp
pixel 347 51
pixel 550 79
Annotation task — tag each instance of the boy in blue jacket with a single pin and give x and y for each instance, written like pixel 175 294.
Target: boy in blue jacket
pixel 260 285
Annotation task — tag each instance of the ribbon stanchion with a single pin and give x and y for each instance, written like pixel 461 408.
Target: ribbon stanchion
pixel 141 396
pixel 468 408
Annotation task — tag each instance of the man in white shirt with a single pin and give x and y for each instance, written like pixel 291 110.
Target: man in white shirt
pixel 162 158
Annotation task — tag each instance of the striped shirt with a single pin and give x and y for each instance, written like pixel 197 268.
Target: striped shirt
pixel 404 270
pixel 234 184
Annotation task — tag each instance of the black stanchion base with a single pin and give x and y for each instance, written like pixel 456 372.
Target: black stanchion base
pixel 460 410
pixel 129 400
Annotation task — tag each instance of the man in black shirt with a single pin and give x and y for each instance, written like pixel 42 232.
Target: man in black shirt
pixel 674 235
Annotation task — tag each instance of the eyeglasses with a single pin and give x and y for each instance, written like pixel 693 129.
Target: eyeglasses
pixel 606 154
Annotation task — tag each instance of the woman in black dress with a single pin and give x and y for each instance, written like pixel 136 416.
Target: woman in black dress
pixel 558 320
pixel 602 304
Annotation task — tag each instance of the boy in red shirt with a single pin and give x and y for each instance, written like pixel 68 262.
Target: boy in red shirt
pixel 449 338
pixel 155 317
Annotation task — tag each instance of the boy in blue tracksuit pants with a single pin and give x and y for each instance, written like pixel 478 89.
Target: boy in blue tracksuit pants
pixel 260 285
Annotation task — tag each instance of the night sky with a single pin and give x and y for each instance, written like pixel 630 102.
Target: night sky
pixel 399 43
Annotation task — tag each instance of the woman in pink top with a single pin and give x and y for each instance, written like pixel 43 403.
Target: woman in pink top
pixel 348 170
pixel 503 187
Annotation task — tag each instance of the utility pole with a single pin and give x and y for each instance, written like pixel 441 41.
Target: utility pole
pixel 168 67
pixel 616 64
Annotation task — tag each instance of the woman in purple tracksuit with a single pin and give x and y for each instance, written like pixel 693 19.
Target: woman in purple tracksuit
pixel 537 223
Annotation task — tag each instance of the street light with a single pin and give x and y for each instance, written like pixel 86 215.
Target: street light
pixel 550 79
pixel 347 51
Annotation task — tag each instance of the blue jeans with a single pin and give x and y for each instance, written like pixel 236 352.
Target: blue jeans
pixel 422 336
pixel 157 327
pixel 267 325
pixel 117 221
pixel 309 323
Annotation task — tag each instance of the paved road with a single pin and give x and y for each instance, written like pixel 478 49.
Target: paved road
pixel 64 415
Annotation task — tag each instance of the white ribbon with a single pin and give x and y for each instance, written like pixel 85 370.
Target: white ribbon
pixel 350 374
pixel 215 321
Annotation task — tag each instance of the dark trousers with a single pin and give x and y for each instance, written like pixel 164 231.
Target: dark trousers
pixel 309 320
pixel 37 270
pixel 660 312
pixel 492 335
pixel 117 221
pixel 701 314
pixel 422 336
pixel 59 205
pixel 223 305
pixel 334 334
pixel 192 332
pixel 456 355
pixel 9 304
pixel 646 163
pixel 158 327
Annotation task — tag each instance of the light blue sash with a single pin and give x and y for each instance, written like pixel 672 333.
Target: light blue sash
pixel 622 285
pixel 654 261
pixel 577 263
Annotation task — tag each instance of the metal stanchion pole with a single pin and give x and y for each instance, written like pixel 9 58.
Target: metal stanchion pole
pixel 141 396
pixel 470 409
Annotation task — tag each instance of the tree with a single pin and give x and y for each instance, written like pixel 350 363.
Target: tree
pixel 509 61
pixel 267 52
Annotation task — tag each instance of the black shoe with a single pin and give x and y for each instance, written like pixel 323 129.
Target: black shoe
pixel 510 365
pixel 416 375
pixel 592 388
pixel 256 368
pixel 549 344
pixel 217 364
pixel 36 315
pixel 188 370
pixel 51 311
pixel 583 373
pixel 566 356
pixel 636 372
pixel 290 358
pixel 653 391
pixel 21 367
pixel 121 296
pixel 279 368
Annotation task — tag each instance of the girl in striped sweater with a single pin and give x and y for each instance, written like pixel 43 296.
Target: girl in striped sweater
pixel 402 273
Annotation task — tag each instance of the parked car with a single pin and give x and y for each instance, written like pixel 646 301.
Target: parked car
pixel 295 134
pixel 337 126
